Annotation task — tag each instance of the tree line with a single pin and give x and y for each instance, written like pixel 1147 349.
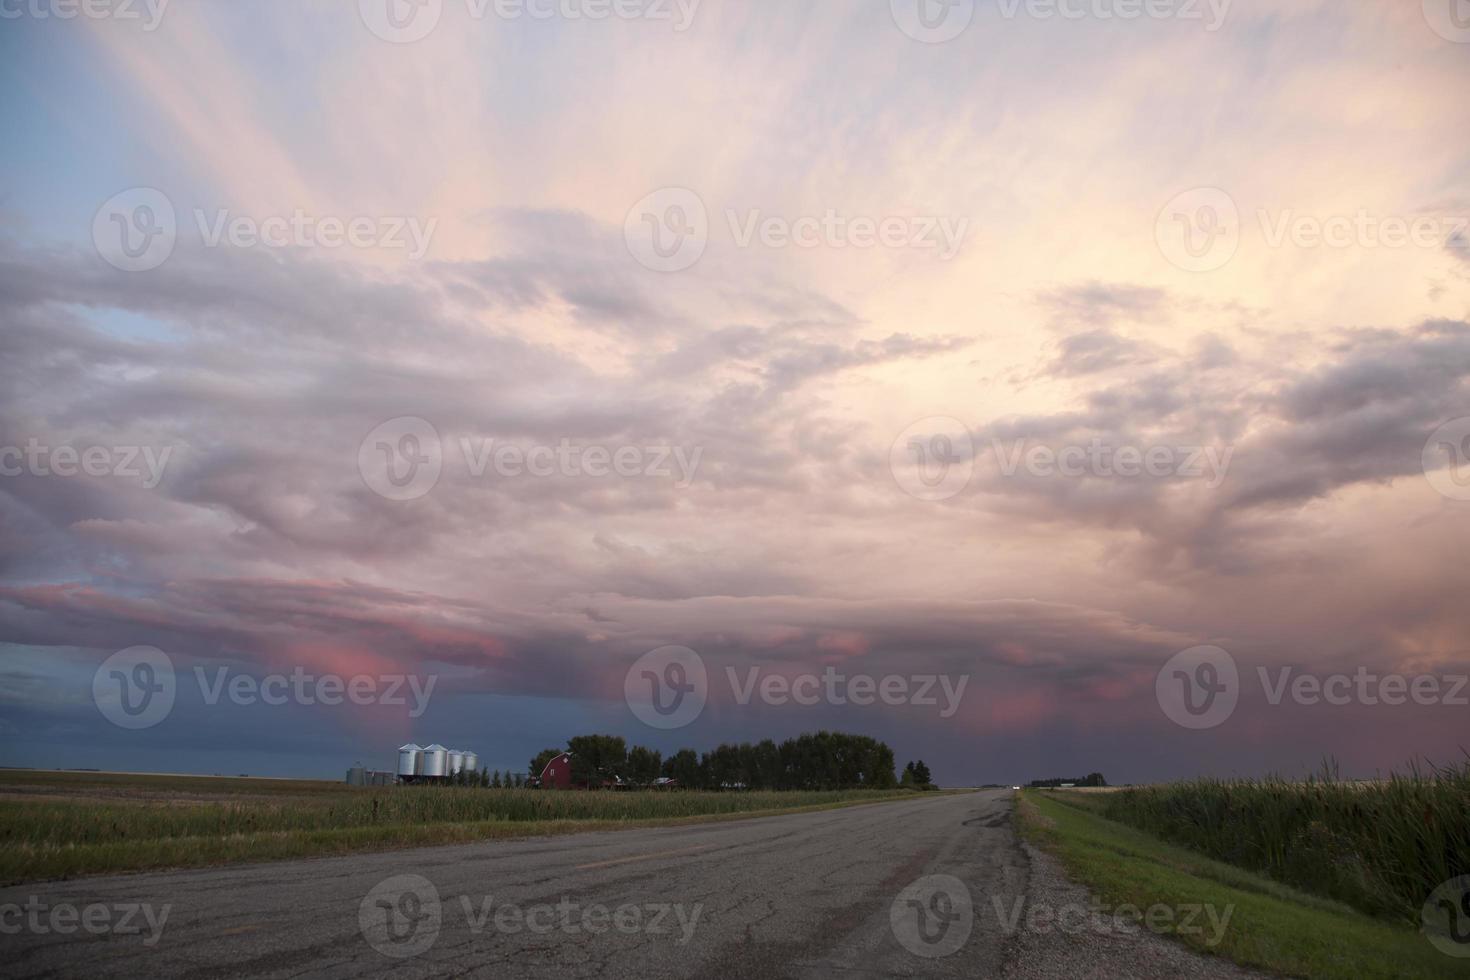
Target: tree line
pixel 813 761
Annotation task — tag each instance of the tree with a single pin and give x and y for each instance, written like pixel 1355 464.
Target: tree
pixel 643 765
pixel 921 774
pixel 683 765
pixel 495 780
pixel 597 758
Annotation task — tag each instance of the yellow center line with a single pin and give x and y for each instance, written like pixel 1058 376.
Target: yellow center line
pixel 643 857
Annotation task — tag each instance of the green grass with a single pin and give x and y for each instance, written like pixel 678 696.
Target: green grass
pixel 1272 926
pixel 56 825
pixel 1379 846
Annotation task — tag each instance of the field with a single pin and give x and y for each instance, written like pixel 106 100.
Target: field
pixel 63 824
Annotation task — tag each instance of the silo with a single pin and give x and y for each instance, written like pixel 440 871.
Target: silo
pixel 471 761
pixel 456 761
pixel 357 776
pixel 436 761
pixel 410 760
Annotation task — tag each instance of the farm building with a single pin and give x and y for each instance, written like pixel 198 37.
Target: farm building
pixel 558 773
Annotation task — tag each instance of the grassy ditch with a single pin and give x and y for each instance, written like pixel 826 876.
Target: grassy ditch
pixel 1271 926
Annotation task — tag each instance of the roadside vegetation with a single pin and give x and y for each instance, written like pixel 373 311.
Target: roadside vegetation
pixel 1293 915
pixel 1379 846
pixel 55 825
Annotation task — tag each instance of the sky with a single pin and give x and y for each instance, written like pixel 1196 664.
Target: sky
pixel 1089 379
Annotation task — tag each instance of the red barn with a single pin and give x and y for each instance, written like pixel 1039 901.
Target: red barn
pixel 558 773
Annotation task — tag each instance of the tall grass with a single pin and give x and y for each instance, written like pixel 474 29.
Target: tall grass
pixel 1378 846
pixel 73 823
pixel 43 839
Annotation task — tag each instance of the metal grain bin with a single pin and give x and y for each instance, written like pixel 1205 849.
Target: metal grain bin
pixel 410 760
pixel 471 761
pixel 456 761
pixel 436 761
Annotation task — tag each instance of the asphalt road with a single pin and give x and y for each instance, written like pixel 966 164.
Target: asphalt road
pixel 892 889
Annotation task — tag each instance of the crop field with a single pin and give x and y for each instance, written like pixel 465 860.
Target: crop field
pixel 62 824
pixel 1379 847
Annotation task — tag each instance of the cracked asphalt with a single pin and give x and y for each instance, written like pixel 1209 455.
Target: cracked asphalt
pixel 884 890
